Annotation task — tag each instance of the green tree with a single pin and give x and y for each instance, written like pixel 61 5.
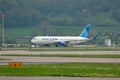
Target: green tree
pixel 60 12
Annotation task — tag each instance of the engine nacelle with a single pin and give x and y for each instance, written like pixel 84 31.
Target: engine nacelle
pixel 62 43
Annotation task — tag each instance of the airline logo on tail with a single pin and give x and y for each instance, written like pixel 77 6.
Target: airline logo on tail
pixel 85 31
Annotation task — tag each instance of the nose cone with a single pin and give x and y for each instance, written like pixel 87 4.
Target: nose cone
pixel 33 40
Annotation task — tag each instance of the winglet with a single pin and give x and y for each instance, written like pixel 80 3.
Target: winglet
pixel 85 32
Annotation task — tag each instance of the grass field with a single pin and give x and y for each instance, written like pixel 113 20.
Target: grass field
pixel 96 48
pixel 65 30
pixel 56 30
pixel 68 55
pixel 19 31
pixel 4 59
pixel 76 49
pixel 65 69
pixel 25 31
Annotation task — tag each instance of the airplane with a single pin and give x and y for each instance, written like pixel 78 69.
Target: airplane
pixel 63 40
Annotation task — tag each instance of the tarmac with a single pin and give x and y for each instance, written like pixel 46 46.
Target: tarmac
pixel 58 52
pixel 33 60
pixel 39 60
pixel 54 78
pixel 42 60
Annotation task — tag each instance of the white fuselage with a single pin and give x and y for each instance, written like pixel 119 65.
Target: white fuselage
pixel 57 39
pixel 63 40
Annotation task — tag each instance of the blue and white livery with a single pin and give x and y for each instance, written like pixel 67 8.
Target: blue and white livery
pixel 63 40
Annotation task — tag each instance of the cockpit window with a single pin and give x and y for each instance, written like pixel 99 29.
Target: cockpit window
pixel 34 38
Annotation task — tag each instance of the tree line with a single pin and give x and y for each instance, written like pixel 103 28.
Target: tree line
pixel 18 13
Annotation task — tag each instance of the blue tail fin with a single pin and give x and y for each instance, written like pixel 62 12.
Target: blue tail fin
pixel 85 31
